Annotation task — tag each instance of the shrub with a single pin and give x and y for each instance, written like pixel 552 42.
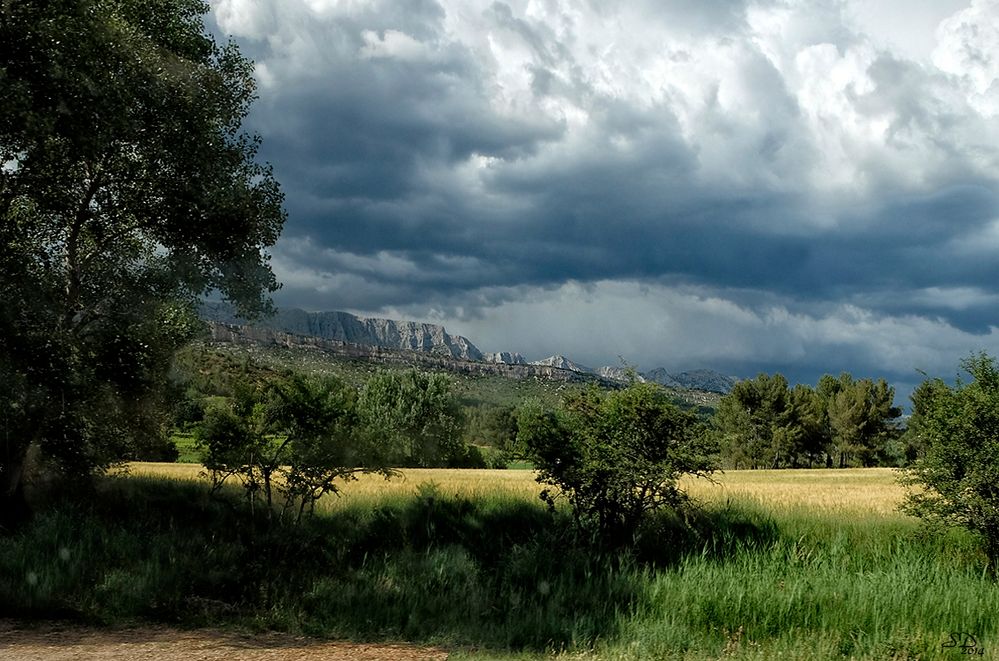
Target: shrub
pixel 325 443
pixel 614 457
pixel 957 476
pixel 234 444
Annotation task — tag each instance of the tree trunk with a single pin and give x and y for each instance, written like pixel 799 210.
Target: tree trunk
pixel 14 509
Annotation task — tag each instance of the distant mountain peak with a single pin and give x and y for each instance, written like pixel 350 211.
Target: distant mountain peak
pixel 622 374
pixel 504 357
pixel 563 363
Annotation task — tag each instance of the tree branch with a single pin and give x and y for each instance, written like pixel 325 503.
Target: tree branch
pixel 73 268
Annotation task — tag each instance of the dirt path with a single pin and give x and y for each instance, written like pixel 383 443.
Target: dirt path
pixel 51 641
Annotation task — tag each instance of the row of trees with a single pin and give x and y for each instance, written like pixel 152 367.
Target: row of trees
pixel 765 423
pixel 762 423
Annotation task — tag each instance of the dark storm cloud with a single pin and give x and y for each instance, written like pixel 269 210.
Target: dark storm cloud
pixel 458 156
pixel 364 131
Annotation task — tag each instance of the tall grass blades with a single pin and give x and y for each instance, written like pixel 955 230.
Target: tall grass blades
pixel 487 570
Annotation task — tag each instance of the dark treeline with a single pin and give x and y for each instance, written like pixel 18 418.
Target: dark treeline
pixel 842 421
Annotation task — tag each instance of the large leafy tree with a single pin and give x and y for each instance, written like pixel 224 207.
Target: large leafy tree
pixel 861 415
pixel 417 416
pixel 765 423
pixel 127 190
pixel 752 422
pixel 809 424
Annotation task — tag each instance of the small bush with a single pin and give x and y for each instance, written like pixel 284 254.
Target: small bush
pixel 615 457
pixel 957 478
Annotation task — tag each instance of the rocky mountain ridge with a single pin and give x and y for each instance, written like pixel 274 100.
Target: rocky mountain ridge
pixel 345 327
pixel 261 336
pixel 564 363
pixel 701 379
pixel 375 338
pixel 506 357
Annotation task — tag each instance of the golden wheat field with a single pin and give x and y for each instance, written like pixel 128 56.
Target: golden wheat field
pixel 869 491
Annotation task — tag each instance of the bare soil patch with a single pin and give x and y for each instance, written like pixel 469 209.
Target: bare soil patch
pixel 53 641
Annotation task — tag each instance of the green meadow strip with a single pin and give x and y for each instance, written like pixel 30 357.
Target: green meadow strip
pixel 494 575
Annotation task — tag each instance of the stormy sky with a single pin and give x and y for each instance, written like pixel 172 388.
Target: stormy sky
pixel 793 186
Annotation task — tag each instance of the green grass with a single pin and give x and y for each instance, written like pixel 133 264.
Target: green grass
pixel 188 453
pixel 819 590
pixel 497 576
pixel 519 465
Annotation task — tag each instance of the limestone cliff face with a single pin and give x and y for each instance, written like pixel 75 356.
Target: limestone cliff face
pixel 619 374
pixel 505 357
pixel 563 363
pixel 346 327
pixel 226 333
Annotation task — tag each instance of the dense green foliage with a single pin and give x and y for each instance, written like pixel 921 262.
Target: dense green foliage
pixel 492 425
pixel 861 414
pixel 957 476
pixel 615 457
pixel 126 191
pixel 446 420
pixel 319 425
pixel 297 436
pixel 303 435
pixel 203 370
pixel 763 423
pixel 416 416
pixel 498 574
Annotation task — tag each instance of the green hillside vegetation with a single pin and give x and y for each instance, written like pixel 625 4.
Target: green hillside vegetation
pixel 205 373
pixel 488 390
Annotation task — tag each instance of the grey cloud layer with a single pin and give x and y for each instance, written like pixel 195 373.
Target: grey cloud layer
pixel 451 155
